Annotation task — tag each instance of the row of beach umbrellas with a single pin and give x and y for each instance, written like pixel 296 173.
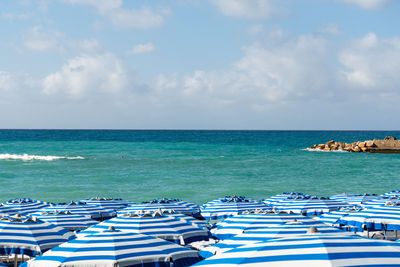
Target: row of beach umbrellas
pixel 247 222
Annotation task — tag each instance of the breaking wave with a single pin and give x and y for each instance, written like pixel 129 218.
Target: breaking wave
pixel 34 157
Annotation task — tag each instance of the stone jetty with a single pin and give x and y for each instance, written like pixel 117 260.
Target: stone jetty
pixel 388 145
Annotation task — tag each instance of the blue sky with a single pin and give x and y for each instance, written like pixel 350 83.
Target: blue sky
pixel 191 64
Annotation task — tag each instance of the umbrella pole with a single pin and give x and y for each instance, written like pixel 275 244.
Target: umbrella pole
pixel 15 260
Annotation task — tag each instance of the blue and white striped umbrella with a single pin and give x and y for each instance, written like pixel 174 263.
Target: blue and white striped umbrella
pixel 66 219
pixel 375 218
pixel 354 199
pixel 264 234
pixel 309 206
pixel 237 224
pixel 22 235
pixel 332 218
pixel 23 206
pixel 177 206
pixel 93 211
pixel 311 250
pixel 107 203
pixel 284 195
pixel 379 202
pixel 155 224
pixel 230 206
pixel 394 193
pixel 114 248
pixel 189 219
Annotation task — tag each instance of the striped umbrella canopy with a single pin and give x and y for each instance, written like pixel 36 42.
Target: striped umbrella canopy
pixel 237 224
pixel 229 206
pixel 23 206
pixel 93 211
pixel 188 219
pixel 332 218
pixel 284 195
pixel 289 229
pixel 355 199
pixel 311 250
pixel 312 206
pixel 163 204
pixel 113 248
pixel 155 224
pixel 375 218
pixel 394 193
pixel 107 203
pixel 23 235
pixel 380 202
pixel 66 220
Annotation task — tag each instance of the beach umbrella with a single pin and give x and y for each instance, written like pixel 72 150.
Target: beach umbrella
pixel 23 206
pixel 113 248
pixel 380 202
pixel 25 236
pixel 394 194
pixel 229 206
pixel 317 250
pixel 107 203
pixel 93 211
pixel 288 229
pixel 312 206
pixel 176 205
pixel 188 219
pixel 284 195
pixel 237 224
pixel 65 219
pixel 155 224
pixel 355 199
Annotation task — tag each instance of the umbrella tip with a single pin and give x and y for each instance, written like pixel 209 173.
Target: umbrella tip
pixel 312 230
pixel 111 228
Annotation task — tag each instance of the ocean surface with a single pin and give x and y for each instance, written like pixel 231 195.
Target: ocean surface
pixel 196 166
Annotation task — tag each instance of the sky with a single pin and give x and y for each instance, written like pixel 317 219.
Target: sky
pixel 200 64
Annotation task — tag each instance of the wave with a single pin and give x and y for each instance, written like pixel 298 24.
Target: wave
pixel 27 157
pixel 320 150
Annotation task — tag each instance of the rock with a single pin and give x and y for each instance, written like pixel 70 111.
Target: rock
pixel 364 149
pixel 313 147
pixel 369 143
pixel 326 148
pixel 330 142
pixel 356 149
pixel 361 144
pixel 321 146
pixel 391 138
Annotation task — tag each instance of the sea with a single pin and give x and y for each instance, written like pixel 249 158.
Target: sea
pixel 193 165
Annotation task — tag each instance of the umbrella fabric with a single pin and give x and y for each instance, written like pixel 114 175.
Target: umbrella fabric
pixel 243 222
pixel 188 219
pixel 65 219
pixel 22 235
pixel 107 203
pixel 311 250
pixel 354 199
pixel 288 229
pixel 284 195
pixel 309 206
pixel 93 211
pixel 379 202
pixel 156 224
pixel 375 218
pixel 115 248
pixel 163 204
pixel 23 206
pixel 229 206
pixel 394 193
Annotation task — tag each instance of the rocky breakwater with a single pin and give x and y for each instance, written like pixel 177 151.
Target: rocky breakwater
pixel 388 145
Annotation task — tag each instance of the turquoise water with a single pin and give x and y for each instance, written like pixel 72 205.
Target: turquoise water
pixel 196 166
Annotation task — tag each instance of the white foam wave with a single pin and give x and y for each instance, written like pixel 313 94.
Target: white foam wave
pixel 34 157
pixel 320 150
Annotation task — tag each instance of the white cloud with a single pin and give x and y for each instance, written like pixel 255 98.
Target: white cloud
pixel 254 9
pixel 141 18
pixel 13 16
pixel 331 29
pixel 368 4
pixel 142 48
pixel 36 40
pixel 86 75
pixel 372 64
